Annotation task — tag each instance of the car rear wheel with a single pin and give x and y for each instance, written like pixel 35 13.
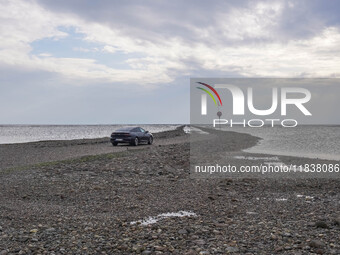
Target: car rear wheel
pixel 114 144
pixel 150 140
pixel 135 142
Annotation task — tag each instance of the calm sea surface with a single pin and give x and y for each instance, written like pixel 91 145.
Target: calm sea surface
pixel 32 133
pixel 304 141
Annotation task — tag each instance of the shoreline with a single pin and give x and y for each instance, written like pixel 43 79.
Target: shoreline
pixel 258 149
pixel 30 153
pixel 22 154
pixel 304 146
pixel 76 138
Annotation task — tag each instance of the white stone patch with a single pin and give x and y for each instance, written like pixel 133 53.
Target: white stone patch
pixel 281 199
pixel 305 197
pixel 154 219
pixel 188 130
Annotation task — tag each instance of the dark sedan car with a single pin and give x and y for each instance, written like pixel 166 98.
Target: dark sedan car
pixel 131 135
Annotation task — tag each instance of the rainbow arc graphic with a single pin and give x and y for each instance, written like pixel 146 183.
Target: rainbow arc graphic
pixel 217 103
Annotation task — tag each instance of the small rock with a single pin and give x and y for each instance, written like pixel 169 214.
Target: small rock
pixel 190 252
pixel 273 237
pixel 50 230
pixel 319 251
pixel 333 251
pixel 337 221
pixel 182 232
pixel 34 230
pixel 4 252
pixel 203 253
pixel 321 224
pixel 159 248
pixel 23 239
pixel 200 242
pixel 137 248
pixel 232 249
pixel 316 244
pixel 287 234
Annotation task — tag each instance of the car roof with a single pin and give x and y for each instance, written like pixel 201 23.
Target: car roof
pixel 126 128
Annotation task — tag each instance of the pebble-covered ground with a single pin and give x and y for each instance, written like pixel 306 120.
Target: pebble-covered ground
pixel 102 204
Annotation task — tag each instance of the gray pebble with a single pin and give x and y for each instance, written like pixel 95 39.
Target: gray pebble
pixel 232 249
pixel 182 232
pixel 321 224
pixel 316 244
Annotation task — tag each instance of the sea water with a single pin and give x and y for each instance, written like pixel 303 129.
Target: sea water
pixel 31 133
pixel 303 141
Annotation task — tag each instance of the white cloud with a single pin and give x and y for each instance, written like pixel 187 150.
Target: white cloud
pixel 256 22
pixel 109 49
pixel 23 22
pixel 225 45
pixel 16 36
pixel 45 55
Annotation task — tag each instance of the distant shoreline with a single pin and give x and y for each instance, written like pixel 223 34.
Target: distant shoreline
pixel 31 153
pixel 20 134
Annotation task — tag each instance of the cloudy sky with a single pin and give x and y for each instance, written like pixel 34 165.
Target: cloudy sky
pixel 108 62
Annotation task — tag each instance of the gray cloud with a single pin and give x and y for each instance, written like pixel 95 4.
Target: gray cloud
pixel 167 42
pixel 159 20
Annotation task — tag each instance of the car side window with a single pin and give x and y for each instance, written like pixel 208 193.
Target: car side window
pixel 135 130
